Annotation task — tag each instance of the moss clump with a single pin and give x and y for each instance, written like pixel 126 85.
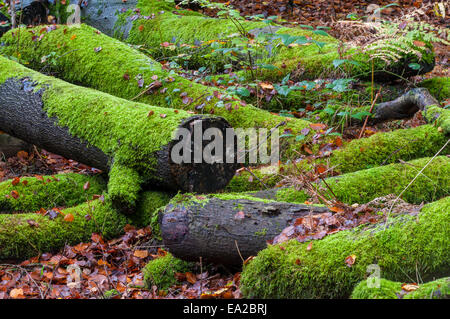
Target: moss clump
pixel 440 117
pixel 438 87
pixel 160 272
pixel 61 190
pixel 437 289
pixel 407 245
pixel 26 235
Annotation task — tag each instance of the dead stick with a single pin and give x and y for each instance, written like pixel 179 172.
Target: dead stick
pixel 370 111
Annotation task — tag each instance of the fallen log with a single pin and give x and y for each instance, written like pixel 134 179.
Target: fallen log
pixel 30 194
pixel 29 234
pixel 132 141
pixel 365 185
pixel 379 288
pixel 78 62
pixel 225 229
pixel 405 106
pixel 377 150
pixel 331 267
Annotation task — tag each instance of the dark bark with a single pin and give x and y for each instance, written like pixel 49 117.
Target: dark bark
pixel 405 106
pixel 215 230
pixel 22 116
pixel 3 27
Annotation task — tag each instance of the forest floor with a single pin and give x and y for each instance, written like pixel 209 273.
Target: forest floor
pixel 113 269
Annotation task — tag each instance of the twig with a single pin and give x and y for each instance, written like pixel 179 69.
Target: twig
pixel 370 111
pixel 418 174
pixel 248 170
pixel 239 252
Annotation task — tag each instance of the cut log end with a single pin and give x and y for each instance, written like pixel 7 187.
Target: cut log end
pixel 199 173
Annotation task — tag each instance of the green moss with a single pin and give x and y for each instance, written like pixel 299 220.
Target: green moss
pixel 148 204
pixel 123 187
pixel 387 290
pixel 245 181
pixel 388 147
pixel 407 246
pixel 61 190
pixel 438 87
pixel 161 271
pixel 26 235
pixel 437 289
pixel 365 185
pixel 439 117
pixel 291 195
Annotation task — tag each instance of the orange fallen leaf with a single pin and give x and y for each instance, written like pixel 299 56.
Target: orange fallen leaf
pixel 73 37
pixel 317 126
pixel 350 260
pixel 309 246
pixel 15 181
pixel 68 218
pixel 141 253
pixel 410 287
pixel 336 209
pixel 191 277
pixel 15 194
pixel 16 293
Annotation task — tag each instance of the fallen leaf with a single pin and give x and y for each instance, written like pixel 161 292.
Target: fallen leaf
pixel 410 287
pixel 68 218
pixel 16 293
pixel 190 277
pixel 350 260
pixel 141 253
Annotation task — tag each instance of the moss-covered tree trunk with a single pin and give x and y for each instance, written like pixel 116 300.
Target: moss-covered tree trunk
pixel 130 140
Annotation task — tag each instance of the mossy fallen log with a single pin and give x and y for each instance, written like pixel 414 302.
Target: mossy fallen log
pixel 226 228
pixel 377 150
pixel 310 60
pixel 387 289
pixel 365 185
pixel 29 234
pixel 403 247
pixel 30 194
pixel 131 140
pixel 86 56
